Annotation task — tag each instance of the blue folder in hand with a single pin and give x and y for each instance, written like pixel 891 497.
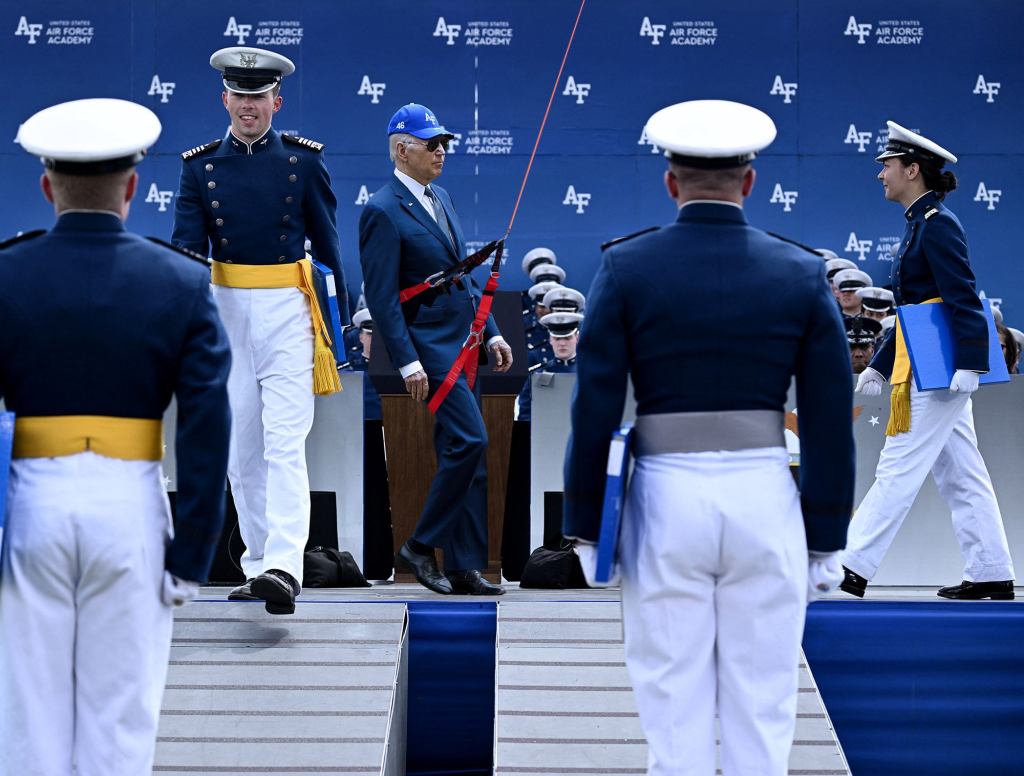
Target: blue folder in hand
pixel 614 501
pixel 327 296
pixel 927 329
pixel 6 444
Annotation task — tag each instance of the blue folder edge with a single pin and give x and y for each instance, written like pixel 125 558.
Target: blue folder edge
pixel 327 295
pixel 927 331
pixel 6 445
pixel 614 501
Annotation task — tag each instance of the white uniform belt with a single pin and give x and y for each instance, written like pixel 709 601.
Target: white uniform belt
pixel 701 432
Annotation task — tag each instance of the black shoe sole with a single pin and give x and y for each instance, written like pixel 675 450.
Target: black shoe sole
pixel 401 564
pixel 1009 596
pixel 278 601
pixel 856 591
pixel 242 597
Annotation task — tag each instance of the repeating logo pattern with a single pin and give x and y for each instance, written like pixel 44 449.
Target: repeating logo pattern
pixel 989 88
pixel 785 198
pixel 653 31
pixel 240 32
pixel 988 195
pixel 576 199
pixel 885 32
pixel 857 138
pixel 787 90
pixel 577 89
pixel 58 32
pixel 164 88
pixel 861 247
pixel 372 90
pixel 450 32
pixel 160 197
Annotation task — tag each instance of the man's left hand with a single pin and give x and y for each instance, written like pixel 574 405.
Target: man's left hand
pixel 502 356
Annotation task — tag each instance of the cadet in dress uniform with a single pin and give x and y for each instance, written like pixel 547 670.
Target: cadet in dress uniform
pixel 714 552
pixel 861 333
pixel 563 332
pixel 533 258
pixel 99 329
pixel 832 266
pixel 538 348
pixel 934 430
pixel 254 196
pixel 876 303
pixel 847 282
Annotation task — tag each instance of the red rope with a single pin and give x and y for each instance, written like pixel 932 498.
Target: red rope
pixel 540 130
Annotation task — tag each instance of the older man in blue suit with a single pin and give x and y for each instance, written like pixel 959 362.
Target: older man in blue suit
pixel 408 232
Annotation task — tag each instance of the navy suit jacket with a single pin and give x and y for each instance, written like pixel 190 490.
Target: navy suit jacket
pixel 95 320
pixel 400 245
pixel 932 262
pixel 682 310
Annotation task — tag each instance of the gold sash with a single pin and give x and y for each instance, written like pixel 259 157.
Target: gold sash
pixel 131 439
pixel 899 400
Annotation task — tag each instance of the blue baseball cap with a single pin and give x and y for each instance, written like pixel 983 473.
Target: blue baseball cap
pixel 416 120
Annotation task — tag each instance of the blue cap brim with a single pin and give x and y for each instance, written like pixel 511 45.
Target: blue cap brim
pixel 426 134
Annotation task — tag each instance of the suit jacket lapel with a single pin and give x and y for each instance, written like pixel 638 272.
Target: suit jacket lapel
pixel 412 206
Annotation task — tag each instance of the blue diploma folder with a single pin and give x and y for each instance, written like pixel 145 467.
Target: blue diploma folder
pixel 614 501
pixel 927 329
pixel 327 296
pixel 6 444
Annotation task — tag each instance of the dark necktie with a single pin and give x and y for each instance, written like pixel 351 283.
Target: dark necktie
pixel 439 214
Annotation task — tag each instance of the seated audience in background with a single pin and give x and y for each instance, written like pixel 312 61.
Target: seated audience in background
pixel 1011 348
pixel 847 282
pixel 565 300
pixel 832 266
pixel 563 335
pixel 533 258
pixel 877 302
pixel 861 333
pixel 537 345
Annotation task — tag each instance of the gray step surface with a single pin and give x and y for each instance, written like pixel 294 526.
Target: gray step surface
pixel 564 704
pixel 252 693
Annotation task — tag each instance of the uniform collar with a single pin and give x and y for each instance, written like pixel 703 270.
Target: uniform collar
pixel 922 203
pixel 712 210
pixel 564 361
pixel 88 221
pixel 263 143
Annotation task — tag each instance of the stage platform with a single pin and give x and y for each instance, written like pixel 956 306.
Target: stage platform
pixel 907 677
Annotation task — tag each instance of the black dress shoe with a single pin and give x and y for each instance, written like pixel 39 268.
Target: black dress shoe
pixel 975 591
pixel 473 583
pixel 424 568
pixel 853 583
pixel 278 588
pixel 243 593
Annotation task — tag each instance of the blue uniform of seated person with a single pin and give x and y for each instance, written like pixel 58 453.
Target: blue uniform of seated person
pixel 409 231
pixel 563 334
pixel 719 552
pixel 250 200
pixel 99 330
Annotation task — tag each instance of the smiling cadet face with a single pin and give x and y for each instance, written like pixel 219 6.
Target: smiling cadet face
pixel 251 113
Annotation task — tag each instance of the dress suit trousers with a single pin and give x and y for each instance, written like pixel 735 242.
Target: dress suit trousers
pixel 941 440
pixel 84 636
pixel 714 592
pixel 271 393
pixel 454 516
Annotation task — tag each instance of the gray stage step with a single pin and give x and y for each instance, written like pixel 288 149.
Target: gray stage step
pixel 313 693
pixel 564 704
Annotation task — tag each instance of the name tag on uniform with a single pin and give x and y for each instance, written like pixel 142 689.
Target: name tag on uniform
pixel 6 445
pixel 614 500
pixel 327 296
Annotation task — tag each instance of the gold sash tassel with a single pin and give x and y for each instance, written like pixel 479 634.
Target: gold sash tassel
pixel 130 439
pixel 899 399
pixel 296 275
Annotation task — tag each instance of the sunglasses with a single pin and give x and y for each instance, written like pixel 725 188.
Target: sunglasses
pixel 432 144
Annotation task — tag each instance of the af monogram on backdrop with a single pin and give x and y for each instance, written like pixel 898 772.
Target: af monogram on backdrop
pixel 829 74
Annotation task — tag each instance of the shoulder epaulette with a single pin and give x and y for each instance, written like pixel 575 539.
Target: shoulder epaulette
pixel 302 141
pixel 200 150
pixel 183 251
pixel 623 239
pixel 794 242
pixel 930 212
pixel 21 238
pixel 535 367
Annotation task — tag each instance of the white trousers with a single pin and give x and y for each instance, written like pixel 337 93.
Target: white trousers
pixel 271 393
pixel 714 592
pixel 84 636
pixel 941 440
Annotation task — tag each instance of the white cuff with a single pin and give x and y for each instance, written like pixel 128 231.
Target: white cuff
pixel 492 340
pixel 410 369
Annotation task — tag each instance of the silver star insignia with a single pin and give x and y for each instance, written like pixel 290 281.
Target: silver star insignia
pixel 166 481
pixel 874 420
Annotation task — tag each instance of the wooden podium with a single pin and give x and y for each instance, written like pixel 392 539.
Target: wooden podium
pixel 409 435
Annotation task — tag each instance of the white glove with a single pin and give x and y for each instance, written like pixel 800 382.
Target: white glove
pixel 964 381
pixel 588 560
pixel 177 592
pixel 824 573
pixel 870 382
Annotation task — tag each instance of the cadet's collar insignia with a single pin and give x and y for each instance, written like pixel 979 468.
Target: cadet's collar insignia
pixel 183 251
pixel 930 212
pixel 302 141
pixel 623 239
pixel 246 60
pixel 21 238
pixel 200 150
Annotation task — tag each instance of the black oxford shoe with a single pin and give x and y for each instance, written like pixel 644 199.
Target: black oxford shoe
pixel 424 568
pixel 278 588
pixel 243 593
pixel 473 583
pixel 975 591
pixel 853 583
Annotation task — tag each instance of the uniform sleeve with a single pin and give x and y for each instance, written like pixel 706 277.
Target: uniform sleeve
pixel 321 217
pixel 945 248
pixel 885 354
pixel 189 215
pixel 602 369
pixel 824 396
pixel 201 444
pixel 380 250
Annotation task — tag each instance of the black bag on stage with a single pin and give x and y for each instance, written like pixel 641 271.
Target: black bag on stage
pixel 327 567
pixel 553 570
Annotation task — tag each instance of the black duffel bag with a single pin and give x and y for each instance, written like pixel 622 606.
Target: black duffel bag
pixel 553 569
pixel 328 567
